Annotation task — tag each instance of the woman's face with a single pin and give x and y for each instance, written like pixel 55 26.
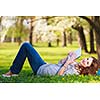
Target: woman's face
pixel 86 62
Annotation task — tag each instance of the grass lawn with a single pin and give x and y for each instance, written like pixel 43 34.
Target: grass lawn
pixel 8 52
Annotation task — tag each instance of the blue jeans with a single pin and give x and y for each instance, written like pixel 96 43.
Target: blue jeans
pixel 26 50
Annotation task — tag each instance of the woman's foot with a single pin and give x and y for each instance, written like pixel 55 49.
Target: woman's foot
pixel 9 74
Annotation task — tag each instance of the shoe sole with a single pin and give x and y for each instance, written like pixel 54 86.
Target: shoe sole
pixel 9 75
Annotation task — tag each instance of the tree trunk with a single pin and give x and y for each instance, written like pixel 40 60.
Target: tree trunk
pixel 32 19
pixel 70 38
pixel 57 42
pixel 49 44
pixel 98 43
pixel 80 42
pixel 81 37
pixel 97 34
pixel 19 40
pixel 92 50
pixel 0 26
pixel 31 33
pixel 64 40
pixel 95 23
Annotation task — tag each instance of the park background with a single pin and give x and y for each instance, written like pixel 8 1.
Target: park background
pixel 90 91
pixel 53 37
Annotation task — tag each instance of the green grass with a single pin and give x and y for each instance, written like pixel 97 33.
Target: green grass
pixel 8 52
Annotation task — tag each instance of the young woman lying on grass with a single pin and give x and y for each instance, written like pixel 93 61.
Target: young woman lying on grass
pixel 40 67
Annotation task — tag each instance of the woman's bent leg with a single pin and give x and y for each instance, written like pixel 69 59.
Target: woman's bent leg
pixel 34 58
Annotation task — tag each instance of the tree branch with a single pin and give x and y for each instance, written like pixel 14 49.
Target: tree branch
pixel 89 21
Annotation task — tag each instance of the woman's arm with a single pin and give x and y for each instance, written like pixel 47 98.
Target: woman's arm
pixel 62 60
pixel 69 61
pixel 62 70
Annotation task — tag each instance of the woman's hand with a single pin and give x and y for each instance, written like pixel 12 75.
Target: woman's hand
pixel 63 60
pixel 72 54
pixel 71 58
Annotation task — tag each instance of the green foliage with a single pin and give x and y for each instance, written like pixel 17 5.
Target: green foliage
pixel 8 52
pixel 58 33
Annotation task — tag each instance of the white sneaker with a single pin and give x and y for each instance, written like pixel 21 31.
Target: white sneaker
pixel 5 75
